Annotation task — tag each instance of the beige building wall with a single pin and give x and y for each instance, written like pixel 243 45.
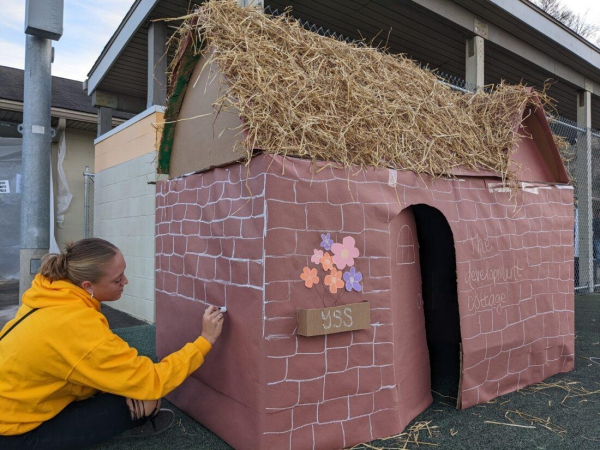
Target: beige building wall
pixel 124 204
pixel 80 153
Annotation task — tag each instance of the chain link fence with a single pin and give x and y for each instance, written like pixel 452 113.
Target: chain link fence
pixel 583 161
pixel 88 203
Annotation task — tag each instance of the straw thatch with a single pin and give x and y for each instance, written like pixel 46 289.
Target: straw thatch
pixel 310 96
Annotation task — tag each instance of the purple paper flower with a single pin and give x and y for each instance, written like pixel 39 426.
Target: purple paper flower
pixel 352 279
pixel 327 241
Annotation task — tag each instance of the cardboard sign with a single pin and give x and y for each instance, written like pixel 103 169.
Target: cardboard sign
pixel 321 321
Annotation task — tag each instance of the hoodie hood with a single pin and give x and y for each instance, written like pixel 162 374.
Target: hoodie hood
pixel 44 293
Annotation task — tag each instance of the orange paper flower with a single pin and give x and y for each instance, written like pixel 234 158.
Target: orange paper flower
pixel 309 276
pixel 334 280
pixel 327 262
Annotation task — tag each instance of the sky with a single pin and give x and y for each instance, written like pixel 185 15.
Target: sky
pixel 89 24
pixel 588 8
pixel 87 27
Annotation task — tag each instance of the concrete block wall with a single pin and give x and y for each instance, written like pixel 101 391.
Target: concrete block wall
pixel 124 204
pixel 514 279
pixel 124 208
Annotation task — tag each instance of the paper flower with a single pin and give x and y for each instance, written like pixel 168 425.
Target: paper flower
pixel 327 262
pixel 316 258
pixel 309 276
pixel 327 242
pixel 352 279
pixel 344 253
pixel 334 281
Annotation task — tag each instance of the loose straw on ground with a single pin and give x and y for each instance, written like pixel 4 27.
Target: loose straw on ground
pixel 573 389
pixel 544 423
pixel 405 440
pixel 508 424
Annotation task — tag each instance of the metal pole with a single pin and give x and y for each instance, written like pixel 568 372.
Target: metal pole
pixel 86 204
pixel 587 264
pixel 35 199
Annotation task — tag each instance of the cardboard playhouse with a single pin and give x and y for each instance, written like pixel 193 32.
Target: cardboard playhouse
pixel 381 233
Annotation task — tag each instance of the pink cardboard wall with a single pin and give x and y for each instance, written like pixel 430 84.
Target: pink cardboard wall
pixel 263 386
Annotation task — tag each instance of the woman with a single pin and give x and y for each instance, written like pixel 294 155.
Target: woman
pixel 67 381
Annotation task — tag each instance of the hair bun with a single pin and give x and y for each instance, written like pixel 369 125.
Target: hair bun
pixel 84 260
pixel 61 261
pixel 54 266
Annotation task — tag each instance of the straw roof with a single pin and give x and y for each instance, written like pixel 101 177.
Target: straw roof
pixel 306 95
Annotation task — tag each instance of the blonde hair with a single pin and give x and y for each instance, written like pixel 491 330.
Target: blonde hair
pixel 84 260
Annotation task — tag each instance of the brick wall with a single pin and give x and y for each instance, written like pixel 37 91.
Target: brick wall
pixel 209 251
pixel 514 275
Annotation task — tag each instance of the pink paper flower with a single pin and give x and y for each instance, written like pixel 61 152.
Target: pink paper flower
pixel 310 277
pixel 344 253
pixel 334 281
pixel 316 258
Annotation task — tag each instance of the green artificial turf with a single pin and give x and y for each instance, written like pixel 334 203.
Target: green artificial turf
pixel 186 433
pixel 564 409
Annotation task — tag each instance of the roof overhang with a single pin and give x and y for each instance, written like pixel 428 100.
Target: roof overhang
pixel 78 116
pixel 538 39
pixel 135 18
pixel 523 42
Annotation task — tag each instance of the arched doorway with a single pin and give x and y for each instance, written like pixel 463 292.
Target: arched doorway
pixel 424 308
pixel 440 298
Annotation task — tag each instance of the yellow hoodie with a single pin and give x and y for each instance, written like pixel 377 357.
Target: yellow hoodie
pixel 65 352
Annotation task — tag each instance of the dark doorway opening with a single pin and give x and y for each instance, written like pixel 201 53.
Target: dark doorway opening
pixel 440 298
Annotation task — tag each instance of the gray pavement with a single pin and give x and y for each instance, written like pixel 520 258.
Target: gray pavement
pixel 7 313
pixel 9 300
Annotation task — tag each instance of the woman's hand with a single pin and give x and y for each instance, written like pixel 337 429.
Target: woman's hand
pixel 212 324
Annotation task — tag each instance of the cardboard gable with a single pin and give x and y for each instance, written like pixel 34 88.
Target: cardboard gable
pixel 536 156
pixel 206 139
